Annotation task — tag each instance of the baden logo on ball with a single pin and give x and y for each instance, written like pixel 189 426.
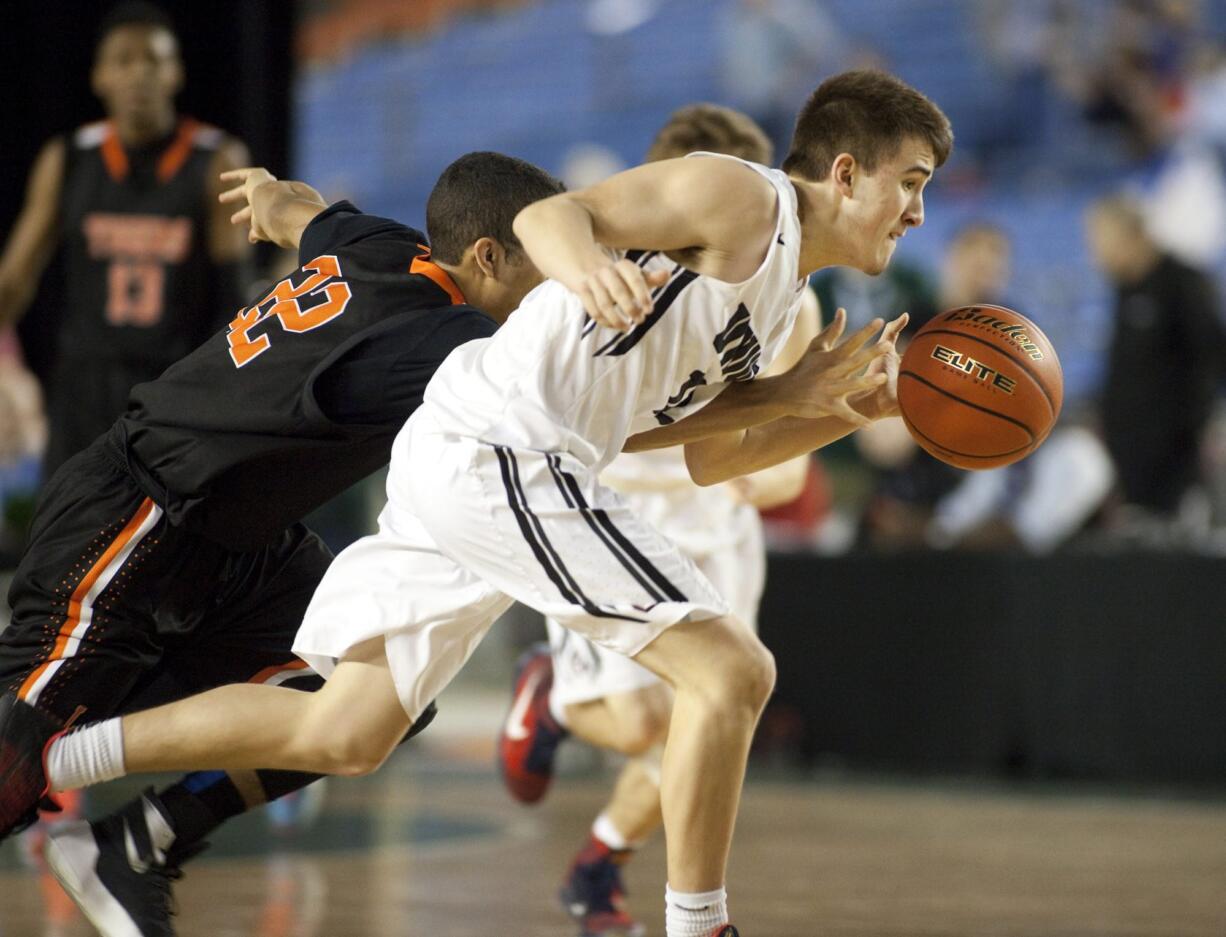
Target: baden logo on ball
pixel 980 387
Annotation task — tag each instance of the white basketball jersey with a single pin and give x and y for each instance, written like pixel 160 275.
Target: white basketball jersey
pixel 551 379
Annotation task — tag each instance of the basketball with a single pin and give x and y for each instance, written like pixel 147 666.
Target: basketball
pixel 980 387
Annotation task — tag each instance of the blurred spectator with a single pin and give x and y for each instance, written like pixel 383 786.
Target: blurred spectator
pixel 775 52
pixel 975 268
pixel 901 288
pixel 1164 361
pixel 149 253
pixel 1137 81
pixel 23 434
pixel 1039 503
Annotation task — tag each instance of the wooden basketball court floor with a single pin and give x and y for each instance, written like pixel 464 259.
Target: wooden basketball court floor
pixel 433 847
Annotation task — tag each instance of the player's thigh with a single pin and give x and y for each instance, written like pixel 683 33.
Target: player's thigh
pixel 396 586
pixel 359 707
pixel 539 527
pixel 82 632
pixel 248 637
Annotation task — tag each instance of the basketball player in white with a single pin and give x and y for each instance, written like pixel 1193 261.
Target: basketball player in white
pixel 493 493
pixel 573 686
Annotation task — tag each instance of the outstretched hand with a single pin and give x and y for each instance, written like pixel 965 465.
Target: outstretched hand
pixel 884 400
pixel 249 179
pixel 837 378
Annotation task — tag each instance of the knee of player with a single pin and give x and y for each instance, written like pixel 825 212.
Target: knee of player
pixel 351 757
pixel 645 727
pixel 341 751
pixel 749 675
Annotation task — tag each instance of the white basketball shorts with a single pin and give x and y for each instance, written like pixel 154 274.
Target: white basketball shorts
pixel 470 526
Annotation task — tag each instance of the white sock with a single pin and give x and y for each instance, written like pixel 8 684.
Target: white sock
pixel 86 756
pixel 604 830
pixel 694 914
pixel 556 709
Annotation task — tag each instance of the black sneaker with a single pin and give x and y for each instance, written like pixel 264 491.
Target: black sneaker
pixel 24 734
pixel 115 872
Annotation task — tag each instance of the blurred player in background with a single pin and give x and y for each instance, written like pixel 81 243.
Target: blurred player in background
pixel 578 687
pixel 152 265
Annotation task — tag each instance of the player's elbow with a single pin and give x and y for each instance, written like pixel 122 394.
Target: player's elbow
pixel 704 469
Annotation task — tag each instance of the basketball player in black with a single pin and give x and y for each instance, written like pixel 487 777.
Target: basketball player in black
pixel 150 261
pixel 168 557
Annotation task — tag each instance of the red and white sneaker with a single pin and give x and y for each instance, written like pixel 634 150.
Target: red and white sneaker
pixel 725 930
pixel 25 733
pixel 530 736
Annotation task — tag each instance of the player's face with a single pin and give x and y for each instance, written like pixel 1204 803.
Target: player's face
pixel 138 73
pixel 887 202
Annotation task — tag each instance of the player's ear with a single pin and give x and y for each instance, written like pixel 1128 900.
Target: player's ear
pixel 489 256
pixel 843 172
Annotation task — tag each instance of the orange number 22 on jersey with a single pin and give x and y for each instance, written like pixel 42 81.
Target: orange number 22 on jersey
pixel 284 302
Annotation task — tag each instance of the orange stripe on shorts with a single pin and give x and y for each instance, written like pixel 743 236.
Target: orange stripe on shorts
pixel 82 590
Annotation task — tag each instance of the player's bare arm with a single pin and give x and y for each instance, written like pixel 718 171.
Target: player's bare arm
pixel 719 458
pixel 275 210
pixel 34 236
pixel 780 483
pixel 825 382
pixel 713 216
pixel 227 242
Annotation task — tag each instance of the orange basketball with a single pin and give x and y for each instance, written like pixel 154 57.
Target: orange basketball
pixel 980 386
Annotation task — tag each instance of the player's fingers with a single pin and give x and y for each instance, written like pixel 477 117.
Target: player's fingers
pixel 894 328
pixel 601 306
pixel 829 336
pixel 657 278
pixel 242 216
pixel 636 285
pixel 233 195
pixel 852 345
pixel 854 364
pixel 241 174
pixel 617 282
pixel 856 385
pixel 840 407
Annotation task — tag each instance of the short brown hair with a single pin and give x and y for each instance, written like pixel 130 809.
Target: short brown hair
pixel 868 114
pixel 479 196
pixel 715 129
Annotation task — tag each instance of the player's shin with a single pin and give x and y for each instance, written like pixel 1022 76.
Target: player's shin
pixel 722 676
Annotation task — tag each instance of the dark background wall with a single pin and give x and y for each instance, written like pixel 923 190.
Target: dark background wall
pixel 1107 667
pixel 238 58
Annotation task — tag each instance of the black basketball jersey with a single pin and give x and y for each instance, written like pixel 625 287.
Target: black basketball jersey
pixel 232 440
pixel 136 259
